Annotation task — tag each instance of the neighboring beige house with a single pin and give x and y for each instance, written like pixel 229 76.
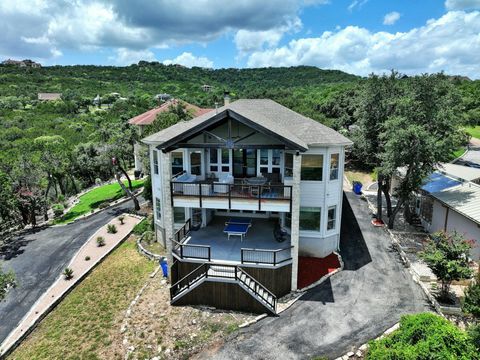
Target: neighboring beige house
pixel 149 117
pixel 49 96
pixel 240 193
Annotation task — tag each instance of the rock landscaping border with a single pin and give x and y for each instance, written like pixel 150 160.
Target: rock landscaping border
pixel 145 252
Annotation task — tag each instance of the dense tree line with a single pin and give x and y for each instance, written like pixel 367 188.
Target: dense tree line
pixel 50 150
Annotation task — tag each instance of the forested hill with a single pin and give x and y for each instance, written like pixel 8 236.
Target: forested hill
pixel 155 78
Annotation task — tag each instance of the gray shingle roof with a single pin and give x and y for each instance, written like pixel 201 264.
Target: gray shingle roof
pixel 270 115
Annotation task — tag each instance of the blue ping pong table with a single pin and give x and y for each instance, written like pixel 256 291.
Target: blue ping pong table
pixel 237 227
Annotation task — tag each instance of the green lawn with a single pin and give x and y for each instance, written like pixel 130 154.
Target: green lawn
pixel 92 200
pixel 85 323
pixel 473 131
pixel 458 153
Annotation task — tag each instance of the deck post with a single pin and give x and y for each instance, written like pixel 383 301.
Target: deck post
pixel 295 215
pixel 167 213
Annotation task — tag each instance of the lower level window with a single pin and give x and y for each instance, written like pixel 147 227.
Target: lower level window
pixel 158 208
pixel 310 218
pixel 332 217
pixel 178 215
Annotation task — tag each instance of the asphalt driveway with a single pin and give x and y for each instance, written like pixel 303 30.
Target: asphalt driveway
pixel 38 257
pixel 352 307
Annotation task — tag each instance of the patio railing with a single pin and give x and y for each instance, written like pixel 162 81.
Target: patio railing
pixel 208 189
pixel 189 251
pixel 264 256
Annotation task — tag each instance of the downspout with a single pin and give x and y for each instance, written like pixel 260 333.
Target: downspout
pixel 446 219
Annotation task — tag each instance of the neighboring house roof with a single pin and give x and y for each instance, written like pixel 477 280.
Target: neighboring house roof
pixel 49 96
pixel 149 116
pixel 464 199
pixel 460 171
pixel 438 182
pixel 269 115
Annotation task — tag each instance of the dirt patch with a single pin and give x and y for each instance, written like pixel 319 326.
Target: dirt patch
pixel 364 177
pixel 154 328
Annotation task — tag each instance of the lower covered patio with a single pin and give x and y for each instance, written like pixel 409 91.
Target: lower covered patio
pixel 259 244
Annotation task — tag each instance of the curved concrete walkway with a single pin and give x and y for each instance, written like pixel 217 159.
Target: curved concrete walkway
pixel 39 256
pixel 350 308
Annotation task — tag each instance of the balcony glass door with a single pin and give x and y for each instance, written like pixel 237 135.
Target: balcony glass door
pixel 244 163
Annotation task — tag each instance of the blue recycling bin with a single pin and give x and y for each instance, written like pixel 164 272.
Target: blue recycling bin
pixel 164 265
pixel 357 187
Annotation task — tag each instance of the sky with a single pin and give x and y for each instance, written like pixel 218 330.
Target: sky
pixel 356 36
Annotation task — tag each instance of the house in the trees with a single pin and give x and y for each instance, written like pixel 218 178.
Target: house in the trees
pixel 149 117
pixel 449 201
pixel 239 194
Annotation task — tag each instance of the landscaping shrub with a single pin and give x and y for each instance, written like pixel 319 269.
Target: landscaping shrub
pixel 447 256
pixel 144 225
pixel 104 205
pixel 148 238
pixel 474 333
pixel 58 210
pixel 121 219
pixel 111 229
pixel 100 241
pixel 424 336
pixel 471 302
pixel 87 258
pixel 6 280
pixel 68 273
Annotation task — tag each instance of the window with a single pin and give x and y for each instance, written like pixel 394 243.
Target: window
pixel 332 217
pixel 155 162
pixel 276 157
pixel 312 168
pixel 219 160
pixel 269 161
pixel 177 162
pixel 178 215
pixel 288 220
pixel 334 167
pixel 288 164
pixel 196 163
pixel 310 218
pixel 158 209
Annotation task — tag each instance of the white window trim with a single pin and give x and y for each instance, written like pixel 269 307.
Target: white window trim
pixel 270 165
pixel 158 201
pixel 311 233
pixel 156 163
pixel 324 169
pixel 334 229
pixel 219 163
pixel 330 166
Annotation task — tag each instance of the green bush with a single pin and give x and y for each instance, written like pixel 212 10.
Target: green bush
pixel 121 218
pixel 474 333
pixel 144 225
pixel 6 280
pixel 87 258
pixel 471 302
pixel 68 273
pixel 100 241
pixel 111 229
pixel 424 336
pixel 58 210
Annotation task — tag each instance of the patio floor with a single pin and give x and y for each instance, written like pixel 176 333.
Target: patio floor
pixel 259 236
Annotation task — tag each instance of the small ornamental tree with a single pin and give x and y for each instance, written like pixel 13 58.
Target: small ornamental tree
pixel 6 280
pixel 471 303
pixel 447 256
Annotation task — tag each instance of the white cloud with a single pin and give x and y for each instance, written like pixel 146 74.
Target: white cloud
pixel 391 18
pixel 143 24
pixel 450 43
pixel 356 4
pixel 247 41
pixel 126 56
pixel 189 60
pixel 462 4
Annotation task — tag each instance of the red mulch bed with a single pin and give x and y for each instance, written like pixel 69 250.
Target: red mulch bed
pixel 311 269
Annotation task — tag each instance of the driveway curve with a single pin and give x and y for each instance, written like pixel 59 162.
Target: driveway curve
pixel 352 307
pixel 39 256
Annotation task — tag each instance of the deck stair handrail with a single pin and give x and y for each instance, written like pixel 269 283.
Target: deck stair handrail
pixel 225 272
pixel 264 256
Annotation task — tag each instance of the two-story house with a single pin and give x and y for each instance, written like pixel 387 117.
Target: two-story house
pixel 239 194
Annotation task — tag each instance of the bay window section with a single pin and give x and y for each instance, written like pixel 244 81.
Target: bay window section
pixel 310 218
pixel 177 162
pixel 332 218
pixel 155 162
pixel 334 167
pixel 312 168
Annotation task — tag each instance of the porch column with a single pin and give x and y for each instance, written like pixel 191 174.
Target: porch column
pixel 295 226
pixel 167 211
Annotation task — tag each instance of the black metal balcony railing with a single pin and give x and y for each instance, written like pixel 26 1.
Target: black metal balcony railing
pixel 265 256
pixel 198 252
pixel 260 193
